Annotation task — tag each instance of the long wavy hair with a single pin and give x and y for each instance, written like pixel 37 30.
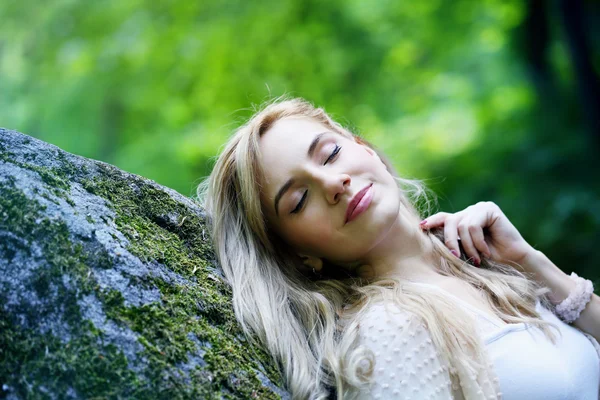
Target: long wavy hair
pixel 309 323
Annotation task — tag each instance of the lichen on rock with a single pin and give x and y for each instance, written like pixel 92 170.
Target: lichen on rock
pixel 109 288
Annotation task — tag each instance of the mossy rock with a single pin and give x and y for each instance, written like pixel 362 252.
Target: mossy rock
pixel 109 288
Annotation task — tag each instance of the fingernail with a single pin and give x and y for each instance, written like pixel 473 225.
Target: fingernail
pixel 455 253
pixel 476 262
pixel 424 222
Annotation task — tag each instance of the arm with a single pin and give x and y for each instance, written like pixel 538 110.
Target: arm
pixel 503 243
pixel 544 271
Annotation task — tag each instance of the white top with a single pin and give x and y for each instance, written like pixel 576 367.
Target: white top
pixel 527 365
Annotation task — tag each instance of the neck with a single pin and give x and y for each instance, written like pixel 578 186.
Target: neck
pixel 406 252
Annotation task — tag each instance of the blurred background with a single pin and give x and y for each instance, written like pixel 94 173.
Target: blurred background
pixel 485 100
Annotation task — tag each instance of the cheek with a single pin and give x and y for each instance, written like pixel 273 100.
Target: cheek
pixel 313 235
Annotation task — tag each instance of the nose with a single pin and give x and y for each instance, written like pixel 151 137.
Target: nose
pixel 334 186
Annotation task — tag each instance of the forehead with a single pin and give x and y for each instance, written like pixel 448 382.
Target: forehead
pixel 283 150
pixel 288 133
pixel 285 144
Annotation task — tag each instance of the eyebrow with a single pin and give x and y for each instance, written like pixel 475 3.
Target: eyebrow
pixel 286 186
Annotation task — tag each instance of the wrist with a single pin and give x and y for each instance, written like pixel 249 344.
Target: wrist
pixel 543 271
pixel 570 309
pixel 532 260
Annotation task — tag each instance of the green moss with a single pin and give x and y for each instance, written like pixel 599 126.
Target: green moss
pixel 33 363
pixel 4 153
pixel 162 230
pixel 166 331
pixel 194 314
pixel 57 180
pixel 50 176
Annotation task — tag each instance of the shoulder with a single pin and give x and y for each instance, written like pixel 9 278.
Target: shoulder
pixel 406 360
pixel 382 317
pixel 386 326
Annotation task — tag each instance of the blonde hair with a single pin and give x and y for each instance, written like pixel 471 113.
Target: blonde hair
pixel 310 325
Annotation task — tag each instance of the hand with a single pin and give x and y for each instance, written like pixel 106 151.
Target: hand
pixel 483 228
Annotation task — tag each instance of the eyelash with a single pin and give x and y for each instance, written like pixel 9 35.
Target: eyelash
pixel 334 153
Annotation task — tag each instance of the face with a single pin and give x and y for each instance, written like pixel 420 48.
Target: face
pixel 312 175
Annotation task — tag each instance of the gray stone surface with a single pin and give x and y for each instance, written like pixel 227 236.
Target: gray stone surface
pixel 109 287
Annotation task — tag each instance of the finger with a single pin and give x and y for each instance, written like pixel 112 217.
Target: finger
pixel 479 241
pixel 451 235
pixel 435 220
pixel 467 242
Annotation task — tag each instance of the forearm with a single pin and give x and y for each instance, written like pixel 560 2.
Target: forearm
pixel 546 273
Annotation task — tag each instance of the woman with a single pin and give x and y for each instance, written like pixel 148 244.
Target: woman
pixel 334 273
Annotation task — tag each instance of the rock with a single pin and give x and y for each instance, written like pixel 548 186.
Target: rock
pixel 109 288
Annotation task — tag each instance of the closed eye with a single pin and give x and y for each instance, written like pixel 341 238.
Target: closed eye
pixel 333 154
pixel 300 203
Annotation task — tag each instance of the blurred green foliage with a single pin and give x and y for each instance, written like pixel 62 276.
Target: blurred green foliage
pixel 443 87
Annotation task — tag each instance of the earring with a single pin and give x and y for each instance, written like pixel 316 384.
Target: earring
pixel 316 264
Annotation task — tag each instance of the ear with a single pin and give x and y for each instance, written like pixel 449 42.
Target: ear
pixel 312 262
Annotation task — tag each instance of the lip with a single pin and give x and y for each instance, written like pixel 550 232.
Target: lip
pixel 359 203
